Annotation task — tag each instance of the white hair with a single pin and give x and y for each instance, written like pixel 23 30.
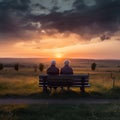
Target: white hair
pixel 66 62
pixel 53 62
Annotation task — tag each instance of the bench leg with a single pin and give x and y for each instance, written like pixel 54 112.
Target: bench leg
pixel 82 89
pixel 68 88
pixel 44 89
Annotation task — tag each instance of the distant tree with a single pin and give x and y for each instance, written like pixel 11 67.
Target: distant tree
pixel 93 66
pixel 16 67
pixel 1 66
pixel 41 67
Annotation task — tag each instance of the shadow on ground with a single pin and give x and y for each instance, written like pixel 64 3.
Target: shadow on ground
pixel 108 94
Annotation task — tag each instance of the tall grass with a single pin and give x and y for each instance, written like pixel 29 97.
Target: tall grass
pixel 24 83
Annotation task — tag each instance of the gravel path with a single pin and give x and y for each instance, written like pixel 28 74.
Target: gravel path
pixel 58 101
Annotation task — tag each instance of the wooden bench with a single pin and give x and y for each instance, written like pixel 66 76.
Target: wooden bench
pixel 53 81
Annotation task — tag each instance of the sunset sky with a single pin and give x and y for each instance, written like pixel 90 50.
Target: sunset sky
pixel 60 28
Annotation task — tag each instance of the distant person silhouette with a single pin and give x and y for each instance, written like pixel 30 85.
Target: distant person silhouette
pixel 53 70
pixel 66 69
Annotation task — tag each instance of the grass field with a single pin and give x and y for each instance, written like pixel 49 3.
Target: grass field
pixel 24 83
pixel 60 112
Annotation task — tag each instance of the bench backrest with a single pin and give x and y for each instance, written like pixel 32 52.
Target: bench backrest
pixel 64 78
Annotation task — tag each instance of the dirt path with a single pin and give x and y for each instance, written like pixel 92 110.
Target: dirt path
pixel 57 101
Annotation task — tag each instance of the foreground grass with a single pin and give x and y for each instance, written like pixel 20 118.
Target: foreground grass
pixel 60 112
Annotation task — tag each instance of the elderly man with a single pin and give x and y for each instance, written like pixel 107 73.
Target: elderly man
pixel 53 70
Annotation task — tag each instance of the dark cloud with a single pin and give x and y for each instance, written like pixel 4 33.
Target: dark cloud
pixel 104 37
pixel 94 19
pixel 102 16
pixel 12 15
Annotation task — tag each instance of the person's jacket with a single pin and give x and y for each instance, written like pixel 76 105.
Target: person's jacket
pixel 52 70
pixel 66 70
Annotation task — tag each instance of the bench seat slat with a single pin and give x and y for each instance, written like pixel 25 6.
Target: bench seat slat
pixel 64 80
pixel 78 82
pixel 88 85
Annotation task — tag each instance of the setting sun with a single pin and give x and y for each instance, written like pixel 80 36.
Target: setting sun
pixel 59 55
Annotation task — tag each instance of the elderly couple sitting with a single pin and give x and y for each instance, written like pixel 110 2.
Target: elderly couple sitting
pixel 66 69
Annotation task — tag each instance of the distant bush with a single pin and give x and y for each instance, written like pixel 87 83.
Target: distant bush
pixel 41 67
pixel 1 66
pixel 93 66
pixel 16 67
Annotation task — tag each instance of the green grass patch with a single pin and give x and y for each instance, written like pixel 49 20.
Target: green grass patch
pixel 60 112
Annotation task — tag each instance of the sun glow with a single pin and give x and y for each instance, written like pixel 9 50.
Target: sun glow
pixel 58 55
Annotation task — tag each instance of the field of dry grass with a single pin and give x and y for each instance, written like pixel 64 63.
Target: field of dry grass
pixel 24 83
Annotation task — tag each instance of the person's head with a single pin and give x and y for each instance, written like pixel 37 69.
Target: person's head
pixel 53 62
pixel 66 62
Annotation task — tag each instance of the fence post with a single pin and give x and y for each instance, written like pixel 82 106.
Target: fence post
pixel 113 78
pixel 113 81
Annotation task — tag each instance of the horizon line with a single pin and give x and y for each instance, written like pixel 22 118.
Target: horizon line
pixel 59 58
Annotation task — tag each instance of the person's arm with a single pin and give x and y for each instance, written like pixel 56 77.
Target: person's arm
pixel 48 71
pixel 58 71
pixel 71 71
pixel 61 71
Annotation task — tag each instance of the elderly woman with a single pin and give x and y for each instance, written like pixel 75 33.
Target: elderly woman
pixel 66 69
